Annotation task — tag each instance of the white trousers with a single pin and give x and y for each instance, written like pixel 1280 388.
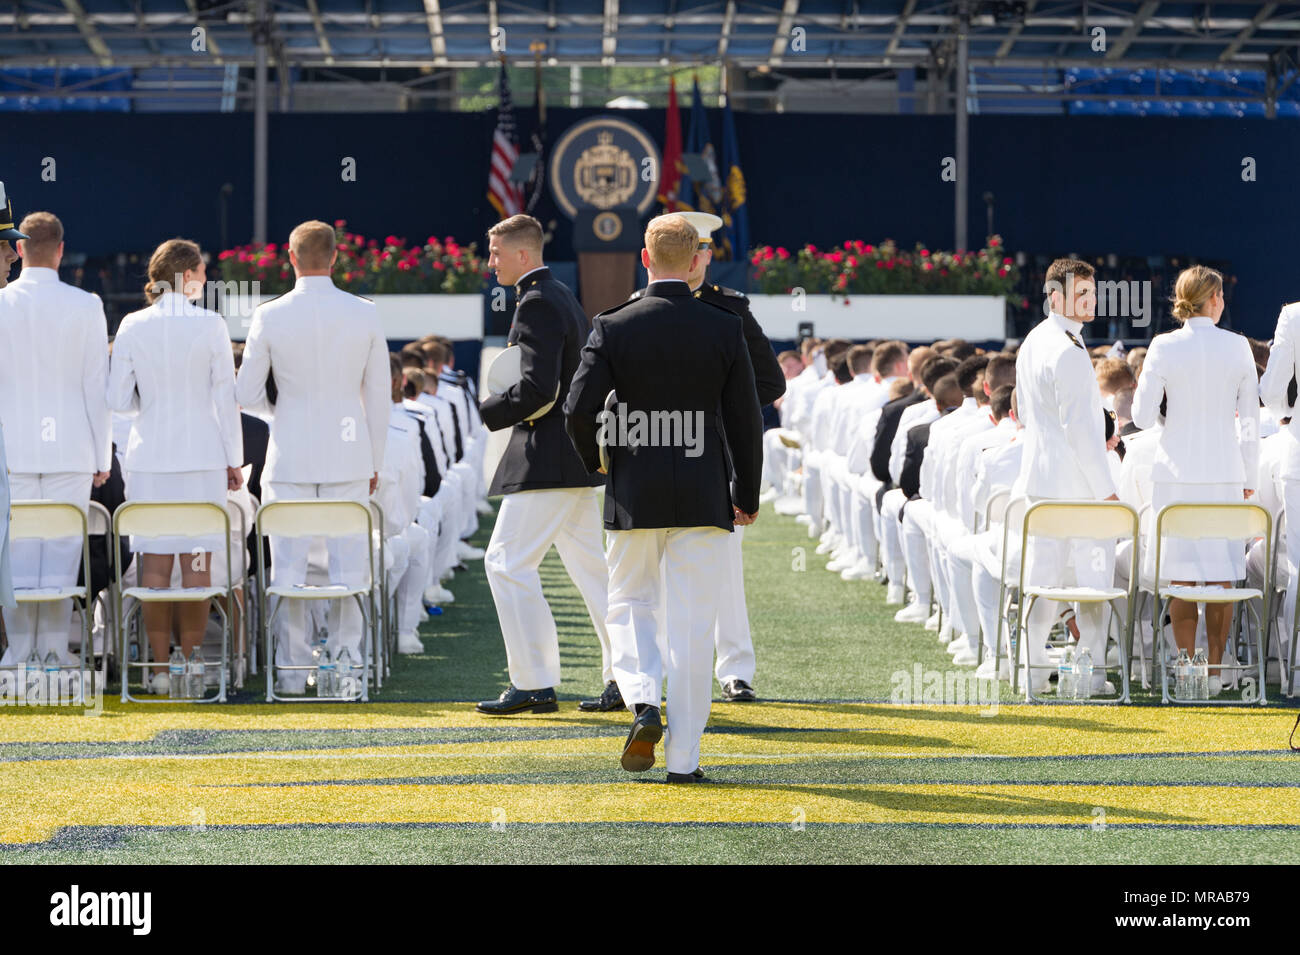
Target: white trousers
pixel 466 513
pixel 1063 563
pixel 691 558
pixel 776 461
pixel 289 563
pixel 50 563
pixel 413 579
pixel 916 552
pixel 528 523
pixel 891 535
pixel 732 637
pixel 812 490
pixel 958 555
pixel 986 588
pixel 862 516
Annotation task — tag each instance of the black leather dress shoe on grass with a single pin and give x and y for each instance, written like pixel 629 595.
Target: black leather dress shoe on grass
pixel 610 699
pixel 515 700
pixel 639 750
pixel 738 691
pixel 697 776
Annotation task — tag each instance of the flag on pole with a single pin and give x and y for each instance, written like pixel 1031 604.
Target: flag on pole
pixel 671 175
pixel 735 212
pixel 538 141
pixel 506 197
pixel 706 194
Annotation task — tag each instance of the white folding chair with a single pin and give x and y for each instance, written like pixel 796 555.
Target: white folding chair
pixel 46 521
pixel 254 605
pixel 100 523
pixel 1013 518
pixel 1236 521
pixel 239 565
pixel 379 596
pixel 193 519
pixel 1072 521
pixel 995 510
pixel 315 518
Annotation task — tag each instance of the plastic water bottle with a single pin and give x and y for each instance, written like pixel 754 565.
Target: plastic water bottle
pixel 1065 685
pixel 326 676
pixel 1183 676
pixel 34 672
pixel 1200 676
pixel 347 678
pixel 196 672
pixel 52 669
pixel 1083 674
pixel 176 675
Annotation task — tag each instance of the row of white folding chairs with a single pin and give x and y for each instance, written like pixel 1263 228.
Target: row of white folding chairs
pixel 51 520
pixel 1115 521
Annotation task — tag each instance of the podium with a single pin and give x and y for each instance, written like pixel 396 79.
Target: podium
pixel 607 242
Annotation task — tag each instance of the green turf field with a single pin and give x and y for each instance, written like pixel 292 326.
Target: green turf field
pixel 829 767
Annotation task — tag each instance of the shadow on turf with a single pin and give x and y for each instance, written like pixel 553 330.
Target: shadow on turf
pixel 983 804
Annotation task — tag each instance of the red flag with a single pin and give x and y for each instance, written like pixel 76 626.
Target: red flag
pixel 670 176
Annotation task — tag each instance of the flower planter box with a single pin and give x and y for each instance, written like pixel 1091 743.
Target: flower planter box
pixel 404 317
pixel 911 318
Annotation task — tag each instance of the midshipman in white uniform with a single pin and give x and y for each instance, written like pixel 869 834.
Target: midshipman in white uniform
pixel 54 409
pixel 326 352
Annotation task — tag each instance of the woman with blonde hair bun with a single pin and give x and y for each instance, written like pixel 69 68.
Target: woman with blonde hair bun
pixel 1201 380
pixel 173 370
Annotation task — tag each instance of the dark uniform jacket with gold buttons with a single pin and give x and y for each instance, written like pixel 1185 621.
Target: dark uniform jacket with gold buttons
pixel 669 352
pixel 550 327
pixel 769 382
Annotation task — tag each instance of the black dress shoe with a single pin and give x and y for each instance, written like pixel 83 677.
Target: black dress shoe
pixel 738 691
pixel 515 700
pixel 639 750
pixel 610 699
pixel 696 776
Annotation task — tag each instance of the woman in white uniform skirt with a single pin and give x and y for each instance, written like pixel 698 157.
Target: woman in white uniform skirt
pixel 172 368
pixel 1208 451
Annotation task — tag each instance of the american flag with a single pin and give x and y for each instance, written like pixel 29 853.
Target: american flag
pixel 506 197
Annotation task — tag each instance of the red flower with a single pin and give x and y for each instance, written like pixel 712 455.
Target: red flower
pixel 837 257
pixel 1006 261
pixel 340 223
pixel 225 255
pixel 880 263
pixel 782 252
pixel 870 249
pixel 925 253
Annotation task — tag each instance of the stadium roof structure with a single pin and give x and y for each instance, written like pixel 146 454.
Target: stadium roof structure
pixel 789 34
pixel 1086 56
